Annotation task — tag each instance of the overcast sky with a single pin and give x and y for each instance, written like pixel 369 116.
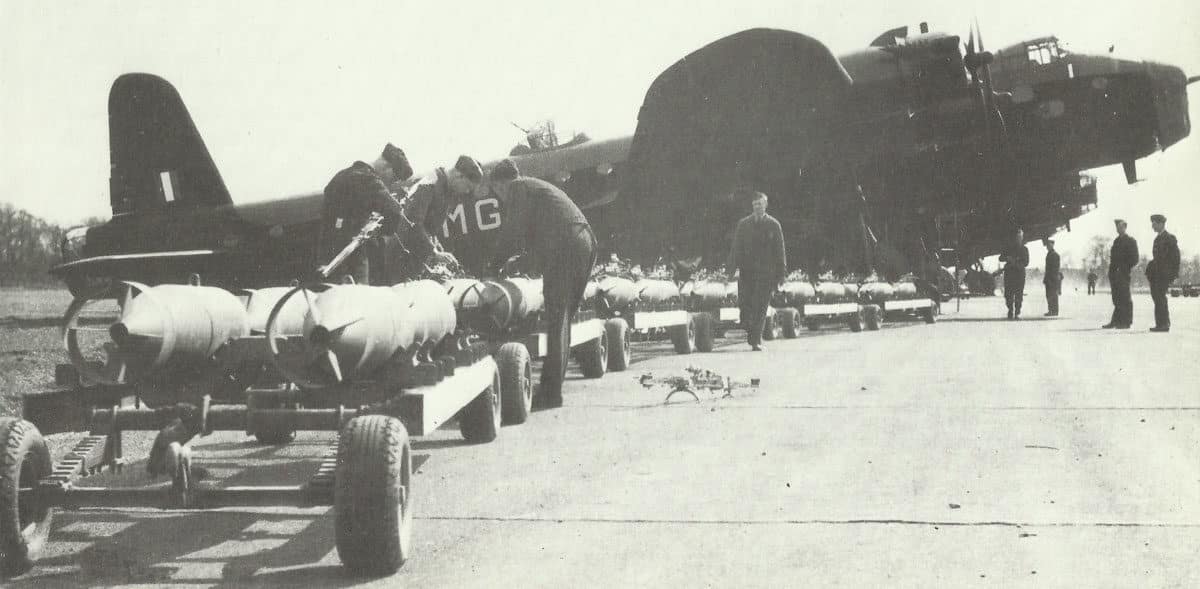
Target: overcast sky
pixel 286 93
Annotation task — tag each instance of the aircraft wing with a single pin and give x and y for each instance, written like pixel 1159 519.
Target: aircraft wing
pixel 749 110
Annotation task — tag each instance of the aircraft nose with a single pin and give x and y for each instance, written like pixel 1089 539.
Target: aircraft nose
pixel 1169 85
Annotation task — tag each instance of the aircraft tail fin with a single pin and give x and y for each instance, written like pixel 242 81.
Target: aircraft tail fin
pixel 158 160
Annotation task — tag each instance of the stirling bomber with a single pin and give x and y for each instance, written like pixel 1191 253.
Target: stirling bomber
pixel 917 151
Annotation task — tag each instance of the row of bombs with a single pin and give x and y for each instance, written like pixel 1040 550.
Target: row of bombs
pixel 618 292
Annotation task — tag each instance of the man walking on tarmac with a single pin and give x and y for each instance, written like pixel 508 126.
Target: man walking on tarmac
pixel 1162 270
pixel 350 198
pixel 1121 260
pixel 519 214
pixel 1052 279
pixel 1016 258
pixel 759 256
pixel 1092 282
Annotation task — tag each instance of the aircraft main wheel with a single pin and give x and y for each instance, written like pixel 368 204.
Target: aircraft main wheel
pixel 617 331
pixel 516 383
pixel 479 421
pixel 372 497
pixel 874 317
pixel 684 336
pixel 24 525
pixel 593 357
pixel 704 331
pixel 855 322
pixel 270 435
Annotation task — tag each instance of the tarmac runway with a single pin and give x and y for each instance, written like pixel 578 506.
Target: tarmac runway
pixel 975 452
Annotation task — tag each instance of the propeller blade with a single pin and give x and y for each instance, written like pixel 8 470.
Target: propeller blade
pixel 339 328
pixel 971 40
pixel 979 33
pixel 329 362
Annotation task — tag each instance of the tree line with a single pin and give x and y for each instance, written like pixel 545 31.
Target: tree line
pixel 29 246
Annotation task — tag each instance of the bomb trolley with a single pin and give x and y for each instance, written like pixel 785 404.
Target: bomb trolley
pixel 716 303
pixel 325 361
pixel 506 316
pixel 645 309
pixel 882 302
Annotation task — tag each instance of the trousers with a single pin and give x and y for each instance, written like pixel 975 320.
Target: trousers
pixel 1162 312
pixel 754 295
pixel 1014 290
pixel 1122 300
pixel 564 276
pixel 1053 289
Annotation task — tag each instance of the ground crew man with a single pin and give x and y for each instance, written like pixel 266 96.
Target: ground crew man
pixel 540 219
pixel 1121 260
pixel 350 198
pixel 432 200
pixel 1161 271
pixel 759 256
pixel 1016 258
pixel 517 214
pixel 1052 279
pixel 1092 282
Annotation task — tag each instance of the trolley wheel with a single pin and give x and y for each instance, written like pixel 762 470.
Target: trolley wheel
pixel 272 436
pixel 855 321
pixel 928 315
pixel 874 317
pixel 771 328
pixel 704 331
pixel 684 336
pixel 593 356
pixel 479 421
pixel 24 526
pixel 617 331
pixel 516 383
pixel 372 495
pixel 789 322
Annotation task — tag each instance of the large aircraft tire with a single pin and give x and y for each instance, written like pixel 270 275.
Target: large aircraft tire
pixel 704 331
pixel 479 422
pixel 24 528
pixel 684 336
pixel 516 383
pixel 373 499
pixel 617 331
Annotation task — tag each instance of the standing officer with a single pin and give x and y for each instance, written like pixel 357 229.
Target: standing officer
pixel 759 254
pixel 1052 279
pixel 1121 260
pixel 539 218
pixel 350 198
pixel 1161 270
pixel 1092 282
pixel 1015 257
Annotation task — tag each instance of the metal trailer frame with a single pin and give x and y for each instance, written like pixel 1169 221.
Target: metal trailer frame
pixel 924 309
pixel 384 413
pixel 683 327
pixel 846 312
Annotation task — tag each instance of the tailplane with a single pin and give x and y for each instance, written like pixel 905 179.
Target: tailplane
pixel 158 160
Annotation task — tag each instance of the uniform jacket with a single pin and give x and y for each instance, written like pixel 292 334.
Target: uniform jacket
pixel 536 217
pixel 350 198
pixel 1015 257
pixel 1053 268
pixel 758 249
pixel 426 208
pixel 1165 264
pixel 1123 256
